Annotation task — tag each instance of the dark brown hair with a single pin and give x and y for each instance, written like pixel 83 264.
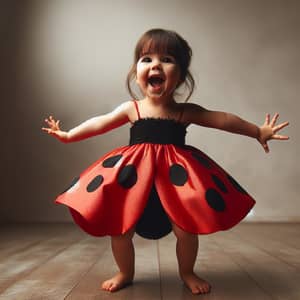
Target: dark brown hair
pixel 167 42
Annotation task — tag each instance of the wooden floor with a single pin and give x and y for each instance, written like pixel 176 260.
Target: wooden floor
pixel 251 261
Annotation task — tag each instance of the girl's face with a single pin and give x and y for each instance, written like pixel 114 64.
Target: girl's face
pixel 157 75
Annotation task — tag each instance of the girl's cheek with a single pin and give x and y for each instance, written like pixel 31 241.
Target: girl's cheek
pixel 174 69
pixel 141 81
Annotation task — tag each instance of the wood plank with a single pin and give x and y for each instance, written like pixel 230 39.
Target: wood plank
pixel 278 279
pixel 16 238
pixel 146 284
pixel 18 265
pixel 228 280
pixel 56 277
pixel 277 244
pixel 289 232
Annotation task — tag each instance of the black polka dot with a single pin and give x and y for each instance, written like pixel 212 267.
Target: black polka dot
pixel 74 181
pixel 178 174
pixel 127 176
pixel 219 183
pixel 111 161
pixel 236 185
pixel 202 160
pixel 94 184
pixel 215 200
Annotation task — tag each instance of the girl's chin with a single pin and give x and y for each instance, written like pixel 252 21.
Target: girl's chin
pixel 152 93
pixel 155 95
pixel 157 90
pixel 159 98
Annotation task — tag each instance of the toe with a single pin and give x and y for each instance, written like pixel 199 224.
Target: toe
pixel 206 288
pixel 196 290
pixel 113 287
pixel 106 285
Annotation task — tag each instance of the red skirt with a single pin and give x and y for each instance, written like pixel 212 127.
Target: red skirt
pixel 195 193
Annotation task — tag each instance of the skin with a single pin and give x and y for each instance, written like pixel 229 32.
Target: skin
pixel 159 102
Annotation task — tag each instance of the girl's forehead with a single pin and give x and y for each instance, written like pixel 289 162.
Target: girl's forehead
pixel 156 47
pixel 153 52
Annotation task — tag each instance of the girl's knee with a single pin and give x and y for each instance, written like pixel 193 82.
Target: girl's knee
pixel 181 234
pixel 128 235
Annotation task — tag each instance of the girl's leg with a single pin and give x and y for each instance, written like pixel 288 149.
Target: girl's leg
pixel 123 251
pixel 186 250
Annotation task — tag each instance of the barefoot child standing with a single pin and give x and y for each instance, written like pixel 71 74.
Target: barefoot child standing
pixel 157 183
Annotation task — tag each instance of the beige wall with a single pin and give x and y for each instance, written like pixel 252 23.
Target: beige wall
pixel 70 59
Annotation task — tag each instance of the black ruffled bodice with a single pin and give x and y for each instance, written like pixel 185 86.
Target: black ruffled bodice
pixel 157 131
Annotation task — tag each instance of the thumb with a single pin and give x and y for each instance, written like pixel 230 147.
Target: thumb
pixel 266 147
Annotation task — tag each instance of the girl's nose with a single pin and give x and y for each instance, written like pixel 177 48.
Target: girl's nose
pixel 156 65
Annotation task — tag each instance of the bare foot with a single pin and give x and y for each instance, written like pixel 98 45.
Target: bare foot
pixel 196 284
pixel 117 282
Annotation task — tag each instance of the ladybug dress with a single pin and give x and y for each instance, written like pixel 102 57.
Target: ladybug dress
pixel 155 180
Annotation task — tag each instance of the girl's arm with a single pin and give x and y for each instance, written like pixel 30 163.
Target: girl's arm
pixel 91 127
pixel 232 123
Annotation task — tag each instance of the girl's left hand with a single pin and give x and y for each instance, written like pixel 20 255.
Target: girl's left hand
pixel 54 130
pixel 268 131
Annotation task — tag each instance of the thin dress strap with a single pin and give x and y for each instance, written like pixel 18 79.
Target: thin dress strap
pixel 137 109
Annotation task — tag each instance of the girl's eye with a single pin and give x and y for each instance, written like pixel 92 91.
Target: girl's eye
pixel 146 59
pixel 168 59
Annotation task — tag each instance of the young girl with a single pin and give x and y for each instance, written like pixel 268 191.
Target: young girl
pixel 157 184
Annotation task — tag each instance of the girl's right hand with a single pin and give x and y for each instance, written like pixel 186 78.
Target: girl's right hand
pixel 268 131
pixel 54 130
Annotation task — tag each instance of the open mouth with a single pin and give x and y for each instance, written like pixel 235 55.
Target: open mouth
pixel 156 81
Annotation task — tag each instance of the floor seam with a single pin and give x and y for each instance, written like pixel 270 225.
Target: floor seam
pixel 159 270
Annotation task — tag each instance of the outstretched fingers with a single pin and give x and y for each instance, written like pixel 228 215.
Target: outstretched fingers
pixel 279 137
pixel 269 131
pixel 52 123
pixel 267 120
pixel 266 147
pixel 277 128
pixel 274 128
pixel 280 126
pixel 48 130
pixel 274 119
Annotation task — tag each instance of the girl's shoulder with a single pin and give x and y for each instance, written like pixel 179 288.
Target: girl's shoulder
pixel 124 107
pixel 130 107
pixel 190 111
pixel 124 110
pixel 190 107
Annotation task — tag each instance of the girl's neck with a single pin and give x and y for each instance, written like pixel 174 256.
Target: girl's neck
pixel 160 102
pixel 157 108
